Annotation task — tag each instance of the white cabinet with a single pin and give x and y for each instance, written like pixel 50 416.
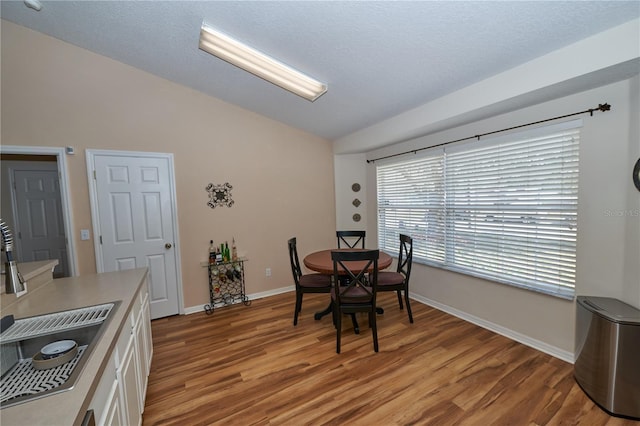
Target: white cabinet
pixel 140 360
pixel 120 395
pixel 143 346
pixel 107 400
pixel 129 388
pixel 146 326
pixel 112 414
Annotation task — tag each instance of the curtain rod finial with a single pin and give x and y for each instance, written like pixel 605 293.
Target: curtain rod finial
pixel 604 107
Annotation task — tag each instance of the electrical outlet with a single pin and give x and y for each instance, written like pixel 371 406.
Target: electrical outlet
pixel 84 234
pixel 268 272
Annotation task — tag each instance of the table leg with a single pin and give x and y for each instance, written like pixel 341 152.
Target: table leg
pixel 356 327
pixel 318 315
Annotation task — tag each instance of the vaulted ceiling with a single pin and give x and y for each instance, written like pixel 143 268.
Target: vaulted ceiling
pixel 378 58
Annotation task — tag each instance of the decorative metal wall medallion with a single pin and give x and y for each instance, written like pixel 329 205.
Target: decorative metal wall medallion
pixel 355 187
pixel 356 217
pixel 219 195
pixel 356 202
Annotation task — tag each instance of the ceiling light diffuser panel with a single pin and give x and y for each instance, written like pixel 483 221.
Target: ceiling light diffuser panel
pixel 249 59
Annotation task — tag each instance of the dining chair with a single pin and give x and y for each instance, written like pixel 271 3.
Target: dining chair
pixel 399 281
pixel 305 283
pixel 350 239
pixel 358 291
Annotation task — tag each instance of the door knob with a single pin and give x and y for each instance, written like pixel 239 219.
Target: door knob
pixel 167 246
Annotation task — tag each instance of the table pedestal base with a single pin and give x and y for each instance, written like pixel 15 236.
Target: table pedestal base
pixel 318 315
pixel 356 328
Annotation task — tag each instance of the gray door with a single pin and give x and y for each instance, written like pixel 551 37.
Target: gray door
pixel 39 221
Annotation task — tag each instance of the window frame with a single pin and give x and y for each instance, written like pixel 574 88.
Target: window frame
pixel 546 218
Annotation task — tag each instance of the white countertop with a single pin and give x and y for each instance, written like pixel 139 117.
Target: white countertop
pixel 69 407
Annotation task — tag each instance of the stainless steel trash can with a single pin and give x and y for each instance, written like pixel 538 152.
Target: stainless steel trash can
pixel 607 351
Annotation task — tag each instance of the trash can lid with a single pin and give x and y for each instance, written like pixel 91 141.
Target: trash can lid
pixel 613 309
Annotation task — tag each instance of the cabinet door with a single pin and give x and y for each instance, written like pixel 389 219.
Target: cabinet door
pixel 107 395
pixel 148 340
pixel 140 360
pixel 112 415
pixel 128 378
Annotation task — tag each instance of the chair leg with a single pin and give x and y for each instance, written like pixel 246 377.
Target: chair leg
pixel 298 307
pixel 338 328
pixel 374 329
pixel 406 298
pixel 399 298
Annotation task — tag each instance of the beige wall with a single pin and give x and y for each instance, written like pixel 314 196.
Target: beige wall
pixel 55 94
pixel 350 169
pixel 608 248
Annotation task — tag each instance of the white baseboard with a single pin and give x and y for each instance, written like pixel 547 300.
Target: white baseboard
pixel 254 296
pixel 506 332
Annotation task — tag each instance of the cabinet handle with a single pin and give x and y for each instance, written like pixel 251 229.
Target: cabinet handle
pixel 167 246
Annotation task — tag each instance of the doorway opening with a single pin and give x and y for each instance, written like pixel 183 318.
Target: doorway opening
pixel 35 205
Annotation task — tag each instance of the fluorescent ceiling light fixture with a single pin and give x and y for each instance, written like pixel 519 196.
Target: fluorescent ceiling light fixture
pixel 259 64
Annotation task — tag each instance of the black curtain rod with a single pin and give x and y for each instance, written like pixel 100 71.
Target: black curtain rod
pixel 601 107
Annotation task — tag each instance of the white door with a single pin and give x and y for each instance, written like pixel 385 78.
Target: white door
pixel 39 222
pixel 135 222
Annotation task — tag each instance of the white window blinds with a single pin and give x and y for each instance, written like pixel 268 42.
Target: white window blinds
pixel 504 209
pixel 411 201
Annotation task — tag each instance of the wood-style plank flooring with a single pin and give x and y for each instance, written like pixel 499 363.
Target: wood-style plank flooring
pixel 248 365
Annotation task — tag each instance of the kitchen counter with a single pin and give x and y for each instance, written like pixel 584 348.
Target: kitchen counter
pixel 69 407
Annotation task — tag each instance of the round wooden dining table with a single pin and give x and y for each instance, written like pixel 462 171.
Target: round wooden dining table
pixel 320 261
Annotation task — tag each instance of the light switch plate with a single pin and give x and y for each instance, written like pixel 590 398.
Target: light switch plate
pixel 84 234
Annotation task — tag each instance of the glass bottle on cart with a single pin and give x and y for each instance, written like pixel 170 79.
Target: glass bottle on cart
pixel 226 283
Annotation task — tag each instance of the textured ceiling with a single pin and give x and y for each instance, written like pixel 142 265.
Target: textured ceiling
pixel 379 59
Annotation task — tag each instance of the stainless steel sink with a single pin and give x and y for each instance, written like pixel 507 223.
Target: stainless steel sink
pixel 20 381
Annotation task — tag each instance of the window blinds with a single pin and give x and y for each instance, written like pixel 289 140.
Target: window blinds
pixel 411 201
pixel 504 209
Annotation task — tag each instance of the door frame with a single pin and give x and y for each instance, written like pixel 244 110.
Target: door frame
pixel 95 217
pixel 63 174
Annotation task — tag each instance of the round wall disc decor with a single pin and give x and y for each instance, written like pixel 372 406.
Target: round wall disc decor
pixel 355 187
pixel 356 217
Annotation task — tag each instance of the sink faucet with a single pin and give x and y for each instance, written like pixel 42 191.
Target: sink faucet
pixel 14 281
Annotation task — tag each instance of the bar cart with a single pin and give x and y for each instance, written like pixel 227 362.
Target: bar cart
pixel 226 285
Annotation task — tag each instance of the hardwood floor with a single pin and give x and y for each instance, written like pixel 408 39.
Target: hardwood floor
pixel 251 366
